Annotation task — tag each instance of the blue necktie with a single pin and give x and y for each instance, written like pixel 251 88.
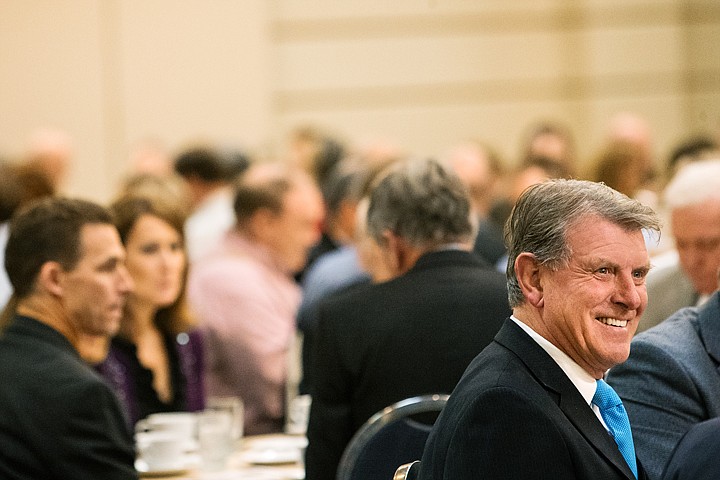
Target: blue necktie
pixel 616 419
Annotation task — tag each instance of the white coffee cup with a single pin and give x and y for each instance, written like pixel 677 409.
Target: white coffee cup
pixel 161 450
pixel 183 425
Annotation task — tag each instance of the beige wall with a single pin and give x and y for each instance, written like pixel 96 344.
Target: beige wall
pixel 114 72
pixel 424 73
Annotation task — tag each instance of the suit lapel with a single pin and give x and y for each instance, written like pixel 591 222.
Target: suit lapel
pixel 563 391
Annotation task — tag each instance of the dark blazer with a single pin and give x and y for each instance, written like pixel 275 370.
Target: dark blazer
pixel 671 380
pixel 379 344
pixel 58 418
pixel 515 414
pixel 696 455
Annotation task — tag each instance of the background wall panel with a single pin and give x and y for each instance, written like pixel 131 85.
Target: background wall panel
pixel 421 73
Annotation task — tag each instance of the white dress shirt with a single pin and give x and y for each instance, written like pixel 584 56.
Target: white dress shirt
pixel 583 381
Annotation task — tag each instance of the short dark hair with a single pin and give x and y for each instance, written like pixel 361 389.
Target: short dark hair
pixel 10 191
pixel 44 231
pixel 692 148
pixel 211 165
pixel 265 187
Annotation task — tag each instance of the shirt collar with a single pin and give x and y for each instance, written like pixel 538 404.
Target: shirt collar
pixel 583 381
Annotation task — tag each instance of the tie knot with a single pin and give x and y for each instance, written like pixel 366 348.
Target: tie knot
pixel 605 397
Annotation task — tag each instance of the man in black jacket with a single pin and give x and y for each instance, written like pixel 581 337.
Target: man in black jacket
pixel 415 334
pixel 58 419
pixel 533 404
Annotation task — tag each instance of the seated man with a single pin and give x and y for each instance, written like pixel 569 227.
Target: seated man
pixel 692 199
pixel 671 380
pixel 245 296
pixel 59 419
pixel 532 404
pixel 377 344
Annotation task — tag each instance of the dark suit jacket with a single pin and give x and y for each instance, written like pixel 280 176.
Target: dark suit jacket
pixel 516 415
pixel 696 455
pixel 379 344
pixel 58 418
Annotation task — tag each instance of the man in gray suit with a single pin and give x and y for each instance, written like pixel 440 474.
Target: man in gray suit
pixel 671 381
pixel 693 201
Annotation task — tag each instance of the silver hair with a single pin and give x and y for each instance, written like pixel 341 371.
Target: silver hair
pixel 545 212
pixel 423 202
pixel 693 184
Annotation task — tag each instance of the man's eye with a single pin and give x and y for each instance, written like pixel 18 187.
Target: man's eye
pixel 640 274
pixel 109 266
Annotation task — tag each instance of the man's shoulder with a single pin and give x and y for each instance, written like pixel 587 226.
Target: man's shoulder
pixel 497 376
pixel 673 333
pixel 459 266
pixel 495 366
pixel 32 338
pixel 227 268
pixel 349 297
pixel 222 261
pixel 672 344
pixel 44 365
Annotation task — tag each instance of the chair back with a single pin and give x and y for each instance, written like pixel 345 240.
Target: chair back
pixel 388 439
pixel 409 471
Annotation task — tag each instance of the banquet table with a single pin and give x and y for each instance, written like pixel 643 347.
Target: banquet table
pixel 260 457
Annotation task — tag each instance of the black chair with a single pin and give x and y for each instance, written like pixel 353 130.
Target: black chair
pixel 389 439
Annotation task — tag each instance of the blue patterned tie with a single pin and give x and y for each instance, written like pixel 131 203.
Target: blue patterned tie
pixel 616 419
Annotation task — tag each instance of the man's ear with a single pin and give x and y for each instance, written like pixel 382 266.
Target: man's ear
pixel 260 223
pixel 392 252
pixel 50 278
pixel 527 271
pixel 404 254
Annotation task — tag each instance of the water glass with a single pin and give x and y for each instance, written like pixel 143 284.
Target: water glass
pixel 215 438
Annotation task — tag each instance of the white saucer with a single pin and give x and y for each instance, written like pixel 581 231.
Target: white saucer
pixel 272 457
pixel 277 443
pixel 145 471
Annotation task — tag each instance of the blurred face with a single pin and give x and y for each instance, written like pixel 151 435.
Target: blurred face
pixel 552 146
pixel 292 232
pixel 473 168
pixel 94 292
pixel 156 261
pixel 696 229
pixel 591 307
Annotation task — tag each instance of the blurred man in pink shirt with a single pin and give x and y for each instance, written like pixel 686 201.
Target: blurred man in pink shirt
pixel 245 295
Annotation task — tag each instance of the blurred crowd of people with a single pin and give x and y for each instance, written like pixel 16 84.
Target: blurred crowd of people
pixel 361 252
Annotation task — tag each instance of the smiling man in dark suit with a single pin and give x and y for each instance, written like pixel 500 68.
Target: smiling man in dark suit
pixel 529 406
pixel 381 343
